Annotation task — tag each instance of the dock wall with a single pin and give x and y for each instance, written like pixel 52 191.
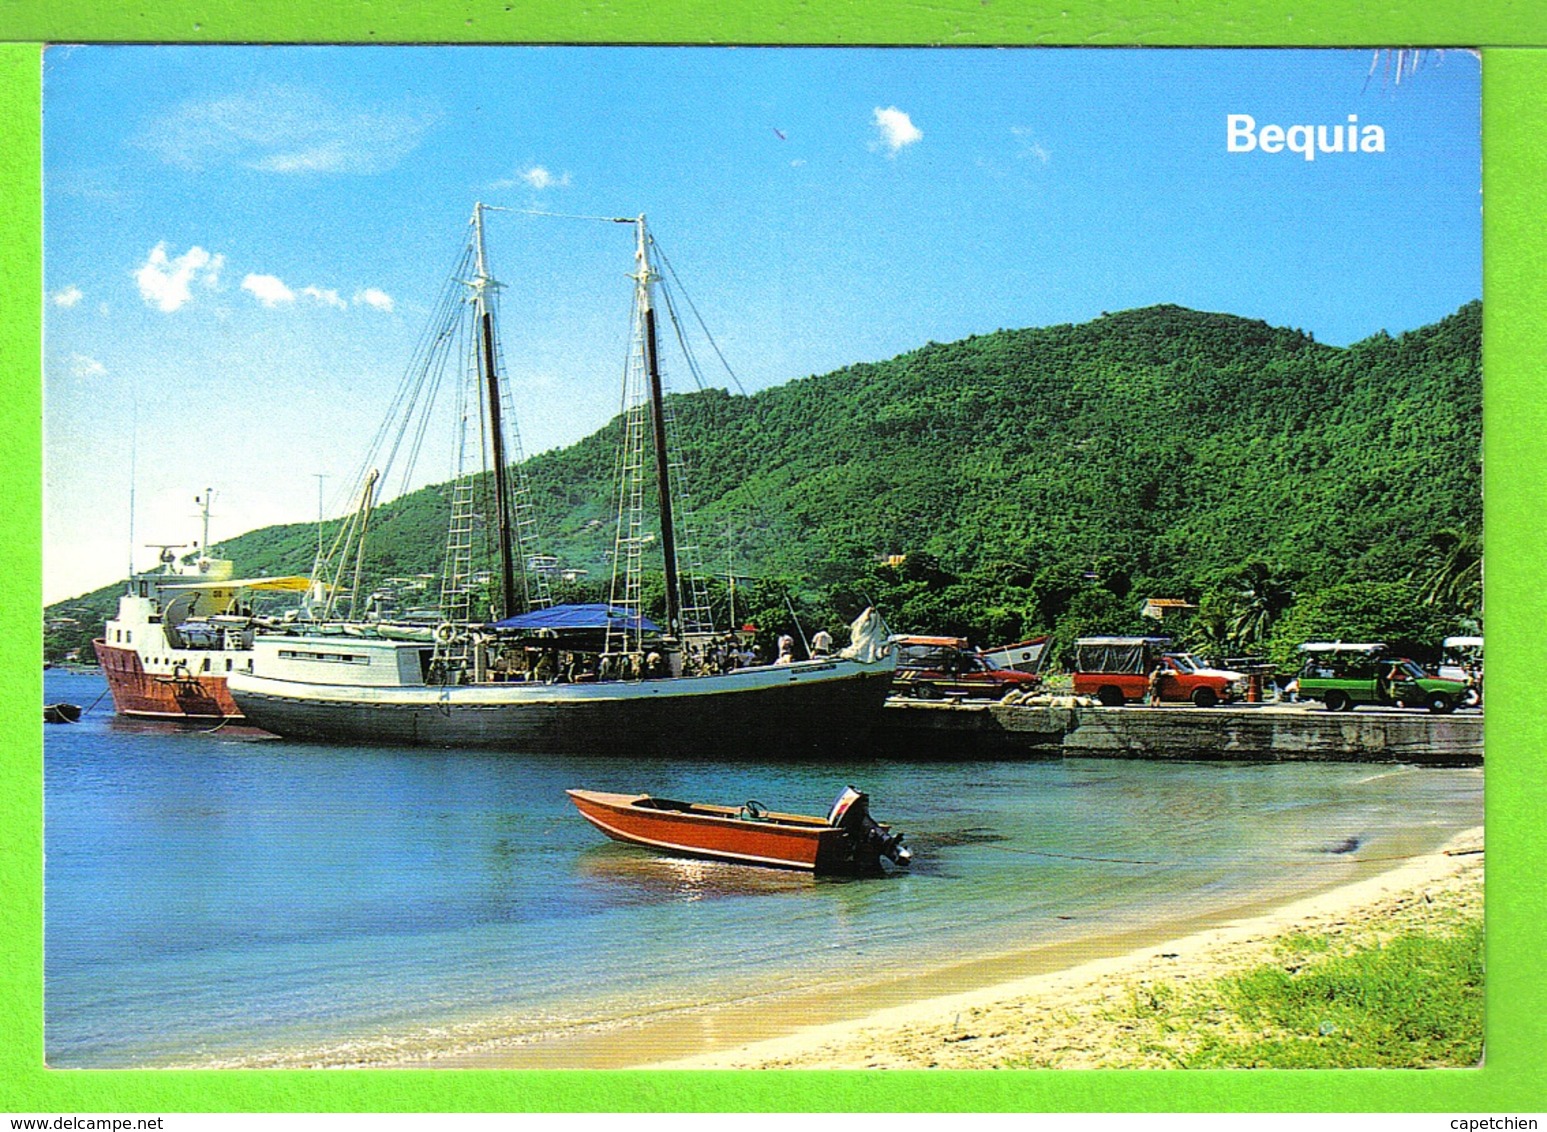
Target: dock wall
pixel 1246 733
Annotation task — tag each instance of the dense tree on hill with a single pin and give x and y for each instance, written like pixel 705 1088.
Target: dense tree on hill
pixel 1160 452
pixel 1363 611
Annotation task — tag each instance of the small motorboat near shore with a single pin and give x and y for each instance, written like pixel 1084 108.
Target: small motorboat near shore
pixel 848 840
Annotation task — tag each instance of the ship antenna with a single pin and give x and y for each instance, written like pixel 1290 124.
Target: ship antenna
pixel 134 447
pixel 209 494
pixel 320 476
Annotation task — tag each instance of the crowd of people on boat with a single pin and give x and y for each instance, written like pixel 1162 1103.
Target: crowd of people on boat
pixel 723 653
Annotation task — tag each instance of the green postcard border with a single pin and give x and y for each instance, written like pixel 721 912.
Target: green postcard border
pixel 1515 291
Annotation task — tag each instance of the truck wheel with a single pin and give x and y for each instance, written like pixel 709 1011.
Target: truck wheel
pixel 1337 701
pixel 1204 697
pixel 1110 696
pixel 1440 703
pixel 925 692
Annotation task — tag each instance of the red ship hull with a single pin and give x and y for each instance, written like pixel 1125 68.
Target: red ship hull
pixel 138 693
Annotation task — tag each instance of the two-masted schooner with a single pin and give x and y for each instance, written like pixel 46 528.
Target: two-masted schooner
pixel 597 679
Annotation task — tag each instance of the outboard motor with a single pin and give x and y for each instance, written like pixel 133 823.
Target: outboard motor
pixel 851 813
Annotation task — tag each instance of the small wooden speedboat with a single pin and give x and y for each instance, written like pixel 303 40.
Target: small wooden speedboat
pixel 61 713
pixel 848 840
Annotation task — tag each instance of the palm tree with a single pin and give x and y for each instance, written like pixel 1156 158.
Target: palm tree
pixel 1208 632
pixel 1259 598
pixel 1451 572
pixel 1400 60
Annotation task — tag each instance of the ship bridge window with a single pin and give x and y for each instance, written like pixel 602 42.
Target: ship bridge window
pixel 326 657
pixel 206 665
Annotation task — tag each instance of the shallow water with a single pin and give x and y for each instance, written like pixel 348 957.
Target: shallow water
pixel 228 898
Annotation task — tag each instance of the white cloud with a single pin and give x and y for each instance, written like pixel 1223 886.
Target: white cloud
pixel 268 290
pixel 82 366
pixel 537 177
pixel 68 297
pixel 324 295
pixel 371 297
pixel 1029 146
pixel 328 157
pixel 166 283
pixel 283 129
pixel 897 129
pixel 540 178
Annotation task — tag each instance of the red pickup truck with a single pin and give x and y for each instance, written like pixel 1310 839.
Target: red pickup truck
pixel 932 668
pixel 1117 669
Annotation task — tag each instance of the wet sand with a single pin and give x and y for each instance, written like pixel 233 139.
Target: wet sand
pixel 1058 1018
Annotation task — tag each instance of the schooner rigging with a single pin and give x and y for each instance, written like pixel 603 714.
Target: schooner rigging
pixel 456 690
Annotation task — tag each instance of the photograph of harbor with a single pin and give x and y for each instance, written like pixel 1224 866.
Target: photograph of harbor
pixel 601 557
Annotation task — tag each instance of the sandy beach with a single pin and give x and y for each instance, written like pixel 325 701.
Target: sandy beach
pixel 1063 1019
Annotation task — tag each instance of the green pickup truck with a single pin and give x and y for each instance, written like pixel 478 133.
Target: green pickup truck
pixel 1343 676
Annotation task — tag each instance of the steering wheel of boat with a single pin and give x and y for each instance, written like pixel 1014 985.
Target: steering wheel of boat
pixel 756 811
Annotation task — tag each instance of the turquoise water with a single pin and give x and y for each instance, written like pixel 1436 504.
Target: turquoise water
pixel 228 898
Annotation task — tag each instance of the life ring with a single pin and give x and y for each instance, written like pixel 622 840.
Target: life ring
pixel 445 632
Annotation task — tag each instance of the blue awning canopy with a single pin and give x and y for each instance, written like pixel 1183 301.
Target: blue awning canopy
pixel 579 618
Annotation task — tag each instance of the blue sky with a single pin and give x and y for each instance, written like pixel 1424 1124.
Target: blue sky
pixel 242 244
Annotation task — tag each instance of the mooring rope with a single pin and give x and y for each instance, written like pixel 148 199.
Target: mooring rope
pixel 96 701
pixel 1332 857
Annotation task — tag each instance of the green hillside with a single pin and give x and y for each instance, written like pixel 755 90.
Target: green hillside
pixel 1051 479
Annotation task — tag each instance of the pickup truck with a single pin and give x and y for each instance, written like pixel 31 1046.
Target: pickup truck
pixel 933 668
pixel 1116 670
pixel 1343 676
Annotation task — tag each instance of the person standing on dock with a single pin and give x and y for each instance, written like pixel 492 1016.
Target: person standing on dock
pixel 1153 696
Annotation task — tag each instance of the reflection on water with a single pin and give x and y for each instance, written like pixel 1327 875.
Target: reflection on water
pixel 1346 845
pixel 217 897
pixel 640 875
pixel 954 838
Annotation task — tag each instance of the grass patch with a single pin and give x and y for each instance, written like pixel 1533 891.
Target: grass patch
pixel 1410 1000
pixel 1413 1001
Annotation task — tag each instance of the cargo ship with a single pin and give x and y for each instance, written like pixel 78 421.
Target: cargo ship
pixel 180 631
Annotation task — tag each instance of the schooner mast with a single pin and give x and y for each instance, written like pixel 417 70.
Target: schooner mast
pixel 644 297
pixel 482 283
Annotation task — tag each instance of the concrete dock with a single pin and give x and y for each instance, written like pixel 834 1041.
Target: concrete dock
pixel 1246 732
